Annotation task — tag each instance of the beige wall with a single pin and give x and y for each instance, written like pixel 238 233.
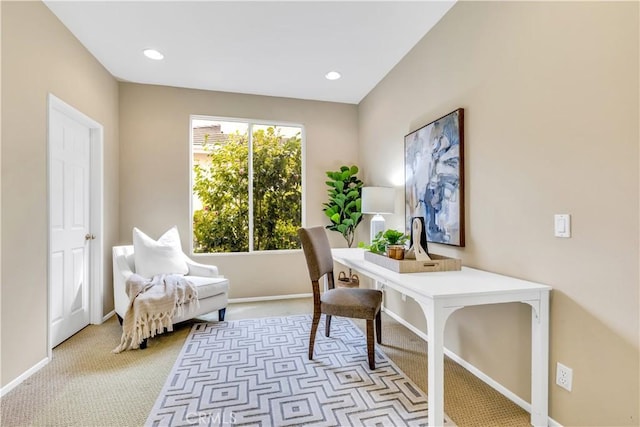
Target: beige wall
pixel 154 171
pixel 550 92
pixel 40 56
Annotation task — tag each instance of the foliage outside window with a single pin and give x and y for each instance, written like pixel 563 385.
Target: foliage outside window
pixel 247 186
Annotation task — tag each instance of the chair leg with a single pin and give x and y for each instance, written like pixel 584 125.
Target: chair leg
pixel 314 329
pixel 221 314
pixel 370 345
pixel 327 324
pixel 143 344
pixel 379 327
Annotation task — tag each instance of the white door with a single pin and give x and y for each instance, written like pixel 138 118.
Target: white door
pixel 70 232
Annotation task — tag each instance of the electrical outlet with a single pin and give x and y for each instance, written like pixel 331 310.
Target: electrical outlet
pixel 564 376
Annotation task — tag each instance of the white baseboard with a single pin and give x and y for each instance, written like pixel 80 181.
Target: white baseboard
pixel 554 423
pixel 26 374
pixel 108 316
pixel 270 298
pixel 475 371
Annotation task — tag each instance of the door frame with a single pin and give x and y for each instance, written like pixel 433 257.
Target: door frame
pixel 96 202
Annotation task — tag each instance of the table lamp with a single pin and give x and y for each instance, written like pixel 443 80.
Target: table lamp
pixel 377 201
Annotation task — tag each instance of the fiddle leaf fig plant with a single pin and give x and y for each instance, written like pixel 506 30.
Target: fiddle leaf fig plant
pixel 343 207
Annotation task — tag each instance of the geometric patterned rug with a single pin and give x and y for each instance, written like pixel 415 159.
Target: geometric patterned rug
pixel 256 372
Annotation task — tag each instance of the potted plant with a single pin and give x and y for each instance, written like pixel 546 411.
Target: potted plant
pixel 391 242
pixel 395 243
pixel 378 244
pixel 343 207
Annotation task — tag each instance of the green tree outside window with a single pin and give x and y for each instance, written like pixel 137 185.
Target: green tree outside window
pixel 221 184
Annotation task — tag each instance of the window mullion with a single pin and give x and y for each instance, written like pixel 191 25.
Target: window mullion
pixel 250 168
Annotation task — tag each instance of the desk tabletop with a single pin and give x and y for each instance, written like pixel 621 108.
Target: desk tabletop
pixel 466 282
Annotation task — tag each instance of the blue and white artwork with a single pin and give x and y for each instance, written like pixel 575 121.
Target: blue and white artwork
pixel 434 179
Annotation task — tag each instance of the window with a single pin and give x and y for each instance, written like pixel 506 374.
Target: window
pixel 246 185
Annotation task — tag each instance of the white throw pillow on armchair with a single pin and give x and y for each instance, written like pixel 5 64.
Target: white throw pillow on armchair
pixel 162 256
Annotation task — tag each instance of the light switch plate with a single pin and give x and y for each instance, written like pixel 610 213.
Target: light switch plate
pixel 562 225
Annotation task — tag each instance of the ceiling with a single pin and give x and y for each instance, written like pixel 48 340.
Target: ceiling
pixel 275 48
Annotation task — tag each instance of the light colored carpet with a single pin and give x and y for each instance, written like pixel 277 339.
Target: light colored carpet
pixel 86 385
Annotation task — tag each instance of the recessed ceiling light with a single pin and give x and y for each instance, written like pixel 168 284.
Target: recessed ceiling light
pixel 332 75
pixel 153 54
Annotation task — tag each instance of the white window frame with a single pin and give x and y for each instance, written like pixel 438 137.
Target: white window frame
pixel 250 123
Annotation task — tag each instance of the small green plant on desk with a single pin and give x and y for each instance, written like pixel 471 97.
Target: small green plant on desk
pixel 384 240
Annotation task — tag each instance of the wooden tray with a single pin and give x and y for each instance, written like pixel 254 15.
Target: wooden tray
pixel 437 263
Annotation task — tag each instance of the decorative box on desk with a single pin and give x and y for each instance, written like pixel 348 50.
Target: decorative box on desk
pixel 437 263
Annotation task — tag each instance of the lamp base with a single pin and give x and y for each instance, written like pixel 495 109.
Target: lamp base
pixel 377 225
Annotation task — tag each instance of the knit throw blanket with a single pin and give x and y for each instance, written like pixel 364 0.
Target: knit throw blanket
pixel 153 303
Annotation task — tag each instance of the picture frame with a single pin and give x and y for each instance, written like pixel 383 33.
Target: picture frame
pixel 434 178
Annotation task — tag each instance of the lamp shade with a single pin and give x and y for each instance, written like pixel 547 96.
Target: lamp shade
pixel 378 200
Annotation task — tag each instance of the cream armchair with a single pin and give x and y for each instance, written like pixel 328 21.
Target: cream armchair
pixel 213 289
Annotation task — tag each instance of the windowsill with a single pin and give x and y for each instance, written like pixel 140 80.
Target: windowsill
pixel 254 253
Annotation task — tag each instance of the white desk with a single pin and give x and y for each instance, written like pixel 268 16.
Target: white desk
pixel 441 293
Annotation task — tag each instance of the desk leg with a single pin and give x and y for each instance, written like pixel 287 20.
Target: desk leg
pixel 380 286
pixel 436 316
pixel 540 361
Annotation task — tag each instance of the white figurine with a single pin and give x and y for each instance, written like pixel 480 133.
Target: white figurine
pixel 417 251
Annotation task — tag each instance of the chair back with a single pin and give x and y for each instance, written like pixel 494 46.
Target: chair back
pixel 317 251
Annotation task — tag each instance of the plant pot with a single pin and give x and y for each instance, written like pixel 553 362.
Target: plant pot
pixel 395 251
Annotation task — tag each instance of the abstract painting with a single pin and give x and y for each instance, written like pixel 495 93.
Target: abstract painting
pixel 434 178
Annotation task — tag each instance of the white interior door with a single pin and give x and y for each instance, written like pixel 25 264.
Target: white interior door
pixel 70 231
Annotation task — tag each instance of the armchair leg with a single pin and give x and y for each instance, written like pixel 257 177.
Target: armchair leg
pixel 379 327
pixel 119 319
pixel 221 314
pixel 143 344
pixel 327 323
